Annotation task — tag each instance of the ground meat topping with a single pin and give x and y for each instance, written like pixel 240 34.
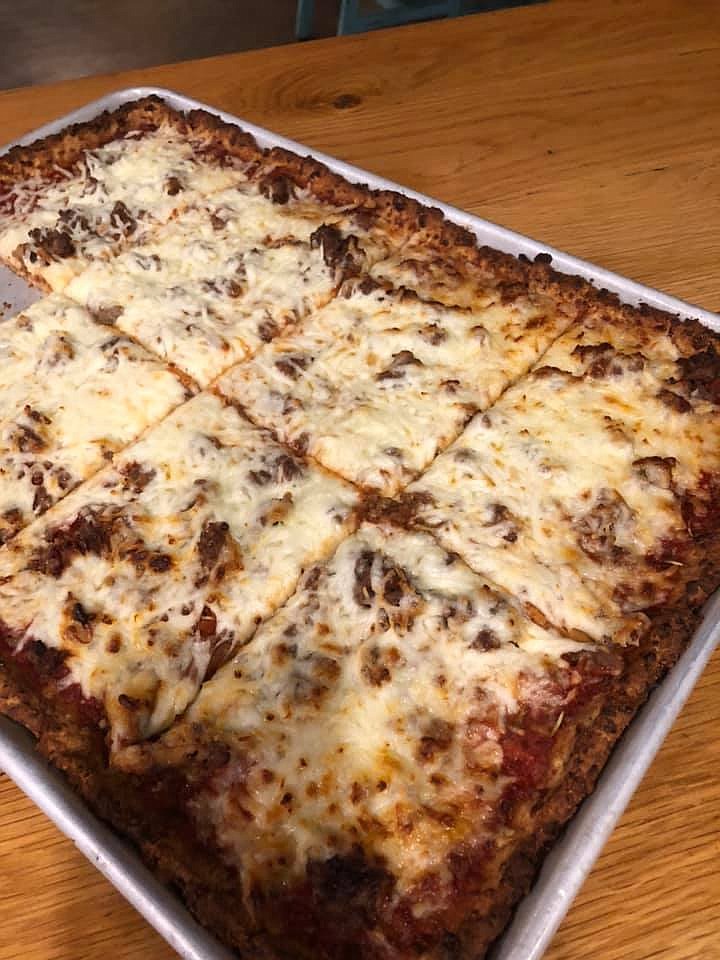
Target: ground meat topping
pixel 42 500
pixel 292 366
pixel 10 522
pixel 26 440
pixel 286 468
pixel 702 372
pixel 173 186
pixel 267 330
pixel 378 664
pixel 213 538
pixel 275 186
pixel 485 640
pixel 437 737
pixel 136 476
pixel 74 220
pixel 397 367
pixel 106 316
pixel 207 623
pixel 337 250
pixel 434 334
pixel 122 219
pixel 598 528
pixel 604 361
pixel 78 625
pixel 54 244
pixel 508 524
pixel 363 592
pixel 260 477
pixel 89 533
pixel 223 647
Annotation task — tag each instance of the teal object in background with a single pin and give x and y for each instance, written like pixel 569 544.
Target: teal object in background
pixel 355 17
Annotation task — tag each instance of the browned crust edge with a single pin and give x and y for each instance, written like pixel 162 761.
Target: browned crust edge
pixel 405 222
pixel 645 667
pixel 170 846
pixel 63 149
pixel 166 840
pixel 393 216
pixel 22 272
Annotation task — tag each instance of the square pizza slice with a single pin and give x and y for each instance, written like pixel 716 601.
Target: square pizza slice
pixel 378 381
pixel 129 593
pixel 591 490
pixel 84 193
pixel 72 394
pixel 205 295
pixel 377 771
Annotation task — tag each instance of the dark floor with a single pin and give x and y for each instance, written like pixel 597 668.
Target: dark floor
pixel 42 41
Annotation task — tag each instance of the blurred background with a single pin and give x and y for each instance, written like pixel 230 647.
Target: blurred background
pixel 43 41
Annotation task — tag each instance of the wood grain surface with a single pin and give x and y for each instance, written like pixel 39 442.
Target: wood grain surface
pixel 594 126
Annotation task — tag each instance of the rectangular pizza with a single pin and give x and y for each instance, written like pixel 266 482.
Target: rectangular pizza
pixel 336 551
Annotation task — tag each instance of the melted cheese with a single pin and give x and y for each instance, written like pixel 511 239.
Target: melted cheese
pixel 375 384
pixel 134 171
pixel 203 512
pixel 254 220
pixel 552 494
pixel 370 710
pixel 203 299
pixel 72 393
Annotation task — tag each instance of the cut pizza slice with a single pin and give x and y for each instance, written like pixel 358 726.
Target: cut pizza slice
pixel 72 394
pixel 84 193
pixel 398 239
pixel 378 381
pixel 369 766
pixel 136 587
pixel 203 296
pixel 591 490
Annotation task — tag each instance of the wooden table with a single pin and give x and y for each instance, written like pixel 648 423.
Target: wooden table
pixel 594 126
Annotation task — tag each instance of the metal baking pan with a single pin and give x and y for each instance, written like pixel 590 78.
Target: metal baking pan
pixel 564 870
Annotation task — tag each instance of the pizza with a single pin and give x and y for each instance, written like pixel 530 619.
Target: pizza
pixel 204 298
pixel 592 533
pixel 379 380
pixel 411 790
pixel 145 578
pixel 84 194
pixel 336 551
pixel 72 394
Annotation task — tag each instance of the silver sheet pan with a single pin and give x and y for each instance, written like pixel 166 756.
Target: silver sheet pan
pixel 572 858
